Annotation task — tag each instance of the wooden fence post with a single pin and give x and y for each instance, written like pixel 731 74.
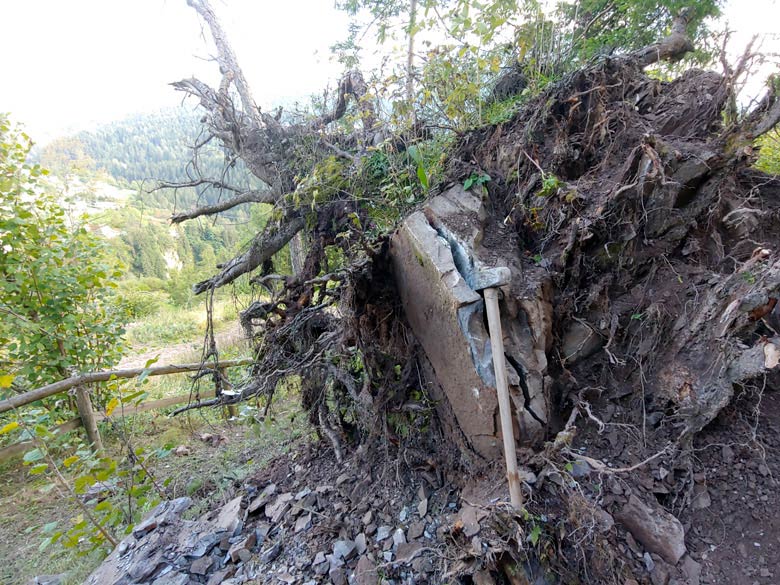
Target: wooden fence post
pixel 232 409
pixel 88 418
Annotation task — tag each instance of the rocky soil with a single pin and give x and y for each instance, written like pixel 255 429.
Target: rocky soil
pixel 733 523
pixel 307 520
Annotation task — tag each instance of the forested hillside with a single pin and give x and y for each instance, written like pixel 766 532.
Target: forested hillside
pixel 113 175
pixel 144 149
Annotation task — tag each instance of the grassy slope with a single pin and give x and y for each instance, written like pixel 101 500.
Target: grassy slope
pixel 209 474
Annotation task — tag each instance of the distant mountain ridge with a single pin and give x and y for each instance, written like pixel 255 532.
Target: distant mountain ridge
pixel 110 174
pixel 143 149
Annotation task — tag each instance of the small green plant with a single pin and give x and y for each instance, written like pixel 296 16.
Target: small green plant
pixel 502 111
pixel 422 175
pixel 550 186
pixel 534 535
pixel 536 523
pixel 476 180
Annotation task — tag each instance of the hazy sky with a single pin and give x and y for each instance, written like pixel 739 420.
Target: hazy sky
pixel 69 64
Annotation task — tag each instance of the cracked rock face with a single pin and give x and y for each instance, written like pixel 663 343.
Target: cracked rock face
pixel 443 257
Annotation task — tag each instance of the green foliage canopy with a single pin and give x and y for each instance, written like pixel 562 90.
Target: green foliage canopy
pixel 624 25
pixel 465 43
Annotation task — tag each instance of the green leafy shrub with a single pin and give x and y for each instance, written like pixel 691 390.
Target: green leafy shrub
pixel 143 297
pixel 56 279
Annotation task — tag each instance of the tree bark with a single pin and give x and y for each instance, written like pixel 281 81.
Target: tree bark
pixel 410 57
pixel 266 146
pixel 88 418
pixel 672 48
pixel 265 245
pixel 85 379
pixel 247 197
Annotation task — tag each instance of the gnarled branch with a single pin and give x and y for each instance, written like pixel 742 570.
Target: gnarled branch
pixel 672 48
pixel 352 84
pixel 246 197
pixel 265 145
pixel 238 132
pixel 265 244
pixel 228 64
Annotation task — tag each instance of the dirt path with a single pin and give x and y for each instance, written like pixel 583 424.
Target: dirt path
pixel 185 352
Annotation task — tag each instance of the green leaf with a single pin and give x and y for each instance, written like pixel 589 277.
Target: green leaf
pixel 414 152
pixel 136 397
pixel 536 532
pixel 104 505
pixel 38 469
pixel 144 375
pixel 33 456
pixel 83 482
pixel 468 183
pixel 103 474
pixel 422 176
pixel 70 460
pixel 47 528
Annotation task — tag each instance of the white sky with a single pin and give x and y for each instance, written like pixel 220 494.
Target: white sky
pixel 71 64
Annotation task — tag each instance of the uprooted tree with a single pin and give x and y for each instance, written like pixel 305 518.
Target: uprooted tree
pixel 641 241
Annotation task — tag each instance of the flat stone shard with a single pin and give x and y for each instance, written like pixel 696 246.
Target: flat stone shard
pixel 201 566
pixel 470 516
pixel 47 580
pixel 655 528
pixel 441 266
pixel 365 572
pixel 230 516
pixel 174 578
pixel 140 557
pixel 580 341
pixel 262 499
pixel 433 292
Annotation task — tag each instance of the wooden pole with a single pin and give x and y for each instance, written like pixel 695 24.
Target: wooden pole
pixel 20 448
pixel 87 415
pixel 232 409
pixel 502 387
pixel 72 382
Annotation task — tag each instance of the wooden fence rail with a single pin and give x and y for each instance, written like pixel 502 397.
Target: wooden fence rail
pixel 82 379
pixel 22 447
pixel 87 417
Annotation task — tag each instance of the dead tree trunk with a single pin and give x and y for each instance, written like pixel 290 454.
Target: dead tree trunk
pixel 87 415
pixel 265 145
